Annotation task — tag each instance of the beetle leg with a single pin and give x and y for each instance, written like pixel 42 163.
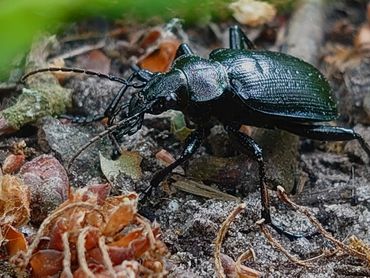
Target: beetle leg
pixel 251 145
pixel 183 49
pixel 238 39
pixel 192 144
pixel 327 133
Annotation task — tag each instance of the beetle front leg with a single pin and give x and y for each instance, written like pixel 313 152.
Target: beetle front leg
pixel 238 39
pixel 192 144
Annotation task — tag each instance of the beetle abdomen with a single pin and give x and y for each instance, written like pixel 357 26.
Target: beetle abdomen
pixel 278 84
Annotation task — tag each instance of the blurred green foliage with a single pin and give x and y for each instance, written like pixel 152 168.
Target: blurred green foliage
pixel 22 20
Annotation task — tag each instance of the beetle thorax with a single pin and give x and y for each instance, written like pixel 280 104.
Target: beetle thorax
pixel 206 79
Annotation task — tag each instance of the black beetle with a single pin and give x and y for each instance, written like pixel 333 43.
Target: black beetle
pixel 236 86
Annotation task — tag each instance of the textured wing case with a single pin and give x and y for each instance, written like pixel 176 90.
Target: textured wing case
pixel 278 84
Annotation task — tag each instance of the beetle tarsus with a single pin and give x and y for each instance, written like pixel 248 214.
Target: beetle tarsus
pixel 292 236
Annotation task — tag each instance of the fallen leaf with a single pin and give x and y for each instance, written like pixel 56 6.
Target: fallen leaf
pixel 13 162
pixel 101 191
pixel 150 38
pixel 178 126
pixel 160 59
pixel 200 189
pixel 128 164
pixel 46 263
pixel 252 13
pixel 122 215
pixel 13 239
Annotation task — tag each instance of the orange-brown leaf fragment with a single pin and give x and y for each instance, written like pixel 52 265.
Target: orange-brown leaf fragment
pixel 122 216
pixel 161 58
pixel 13 163
pixel 46 263
pixel 127 239
pixel 14 240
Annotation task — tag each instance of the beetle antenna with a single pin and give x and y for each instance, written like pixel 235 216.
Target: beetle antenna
pixel 77 70
pixel 107 131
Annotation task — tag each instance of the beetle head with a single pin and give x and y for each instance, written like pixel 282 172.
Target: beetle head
pixel 161 93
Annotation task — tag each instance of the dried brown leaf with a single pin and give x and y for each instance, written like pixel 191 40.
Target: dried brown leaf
pixel 14 201
pixel 13 162
pixel 14 240
pixel 252 13
pixel 121 217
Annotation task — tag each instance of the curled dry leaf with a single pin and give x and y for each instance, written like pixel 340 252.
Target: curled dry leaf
pixel 252 13
pixel 48 183
pixel 14 201
pixel 101 191
pixel 87 237
pixel 13 162
pixel 14 241
pixel 160 59
pixel 160 49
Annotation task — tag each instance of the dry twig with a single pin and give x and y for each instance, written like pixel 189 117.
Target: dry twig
pixel 220 237
pixel 349 250
pixel 67 272
pixel 278 246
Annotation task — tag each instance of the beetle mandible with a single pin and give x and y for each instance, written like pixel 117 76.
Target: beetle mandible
pixel 237 85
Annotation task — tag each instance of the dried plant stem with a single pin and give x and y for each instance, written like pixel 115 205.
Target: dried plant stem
pixel 278 246
pixel 244 271
pixel 220 237
pixel 67 272
pixel 106 259
pixel 81 250
pixel 284 197
pixel 150 234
